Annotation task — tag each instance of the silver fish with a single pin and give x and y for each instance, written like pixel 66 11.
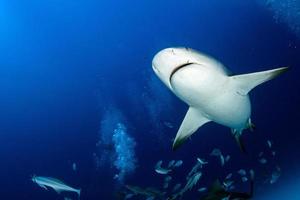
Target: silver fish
pixel 269 142
pixel 242 172
pixel 178 163
pixel 55 184
pixel 176 187
pixel 203 189
pixel 228 176
pixel 171 163
pixel 244 179
pixel 263 161
pixel 162 171
pixel 202 162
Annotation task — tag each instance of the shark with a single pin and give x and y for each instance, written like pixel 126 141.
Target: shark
pixel 55 184
pixel 209 89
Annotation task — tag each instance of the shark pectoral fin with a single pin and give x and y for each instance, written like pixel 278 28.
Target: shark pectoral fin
pixel 246 82
pixel 191 122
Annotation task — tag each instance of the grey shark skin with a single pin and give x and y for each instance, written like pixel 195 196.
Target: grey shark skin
pixel 210 92
pixel 55 184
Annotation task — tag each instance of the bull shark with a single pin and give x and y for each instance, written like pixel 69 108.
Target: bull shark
pixel 211 93
pixel 55 184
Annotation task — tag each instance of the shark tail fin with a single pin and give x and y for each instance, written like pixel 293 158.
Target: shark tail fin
pixel 79 192
pixel 246 82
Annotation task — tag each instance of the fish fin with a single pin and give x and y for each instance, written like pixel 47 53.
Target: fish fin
pixel 78 192
pixel 246 82
pixel 43 186
pixel 57 190
pixel 237 135
pixel 191 122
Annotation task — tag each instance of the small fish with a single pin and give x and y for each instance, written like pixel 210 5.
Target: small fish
pixel 202 162
pixel 263 161
pixel 228 176
pixel 55 184
pixel 227 183
pixel 273 153
pixel 203 189
pixel 191 182
pixel 222 160
pixel 231 187
pixel 168 179
pixel 171 163
pixel 194 170
pixel 158 164
pixel 269 142
pixel 242 172
pixel 260 154
pixel 145 192
pixel 116 176
pixel 74 167
pixel 168 124
pixel 252 174
pixel 244 179
pixel 275 175
pixel 215 152
pixel 166 185
pixel 176 187
pixel 162 171
pixel 226 198
pixel 227 158
pixel 178 163
pixel 128 196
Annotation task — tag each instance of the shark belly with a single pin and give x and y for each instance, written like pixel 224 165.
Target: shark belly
pixel 231 110
pixel 213 94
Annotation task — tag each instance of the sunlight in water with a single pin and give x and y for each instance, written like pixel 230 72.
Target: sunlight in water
pixel 286 11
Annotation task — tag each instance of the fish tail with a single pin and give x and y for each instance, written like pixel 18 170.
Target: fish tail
pixel 79 192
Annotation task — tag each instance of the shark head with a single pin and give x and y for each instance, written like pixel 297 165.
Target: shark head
pixel 168 61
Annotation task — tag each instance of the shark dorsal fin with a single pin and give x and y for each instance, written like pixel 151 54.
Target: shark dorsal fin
pixel 191 122
pixel 246 82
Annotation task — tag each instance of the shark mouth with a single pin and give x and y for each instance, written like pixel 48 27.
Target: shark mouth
pixel 178 68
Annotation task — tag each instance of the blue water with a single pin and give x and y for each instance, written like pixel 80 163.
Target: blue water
pixel 77 87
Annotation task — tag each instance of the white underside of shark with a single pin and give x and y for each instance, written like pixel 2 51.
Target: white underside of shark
pixel 211 93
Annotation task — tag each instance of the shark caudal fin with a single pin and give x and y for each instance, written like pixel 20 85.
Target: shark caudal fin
pixel 78 192
pixel 246 82
pixel 191 122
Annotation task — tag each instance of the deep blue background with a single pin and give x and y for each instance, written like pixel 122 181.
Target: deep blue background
pixel 64 62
